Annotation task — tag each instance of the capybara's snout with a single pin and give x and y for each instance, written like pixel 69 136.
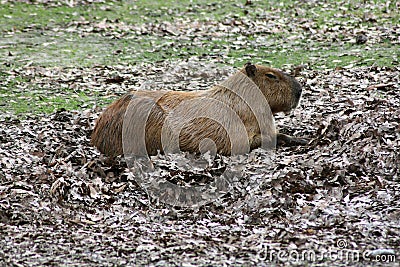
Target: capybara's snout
pixel 296 92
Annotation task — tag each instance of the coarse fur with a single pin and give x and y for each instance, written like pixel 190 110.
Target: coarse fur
pixel 281 91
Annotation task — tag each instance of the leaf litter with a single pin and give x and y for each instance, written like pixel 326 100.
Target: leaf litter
pixel 64 203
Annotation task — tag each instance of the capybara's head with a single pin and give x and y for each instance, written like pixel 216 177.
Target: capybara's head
pixel 281 90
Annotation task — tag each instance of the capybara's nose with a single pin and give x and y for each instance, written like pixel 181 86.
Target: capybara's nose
pixel 298 92
pixel 297 89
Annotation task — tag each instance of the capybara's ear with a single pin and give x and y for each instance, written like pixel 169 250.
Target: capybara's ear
pixel 251 69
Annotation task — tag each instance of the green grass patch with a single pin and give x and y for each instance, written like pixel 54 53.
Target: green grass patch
pixel 46 45
pixel 39 101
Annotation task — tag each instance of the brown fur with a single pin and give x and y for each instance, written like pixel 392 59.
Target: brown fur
pixel 280 90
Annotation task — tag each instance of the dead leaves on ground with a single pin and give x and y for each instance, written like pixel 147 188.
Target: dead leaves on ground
pixel 60 197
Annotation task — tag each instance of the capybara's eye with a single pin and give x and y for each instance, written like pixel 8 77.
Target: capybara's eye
pixel 270 75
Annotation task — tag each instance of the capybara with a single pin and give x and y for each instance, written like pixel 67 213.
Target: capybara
pixel 281 91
